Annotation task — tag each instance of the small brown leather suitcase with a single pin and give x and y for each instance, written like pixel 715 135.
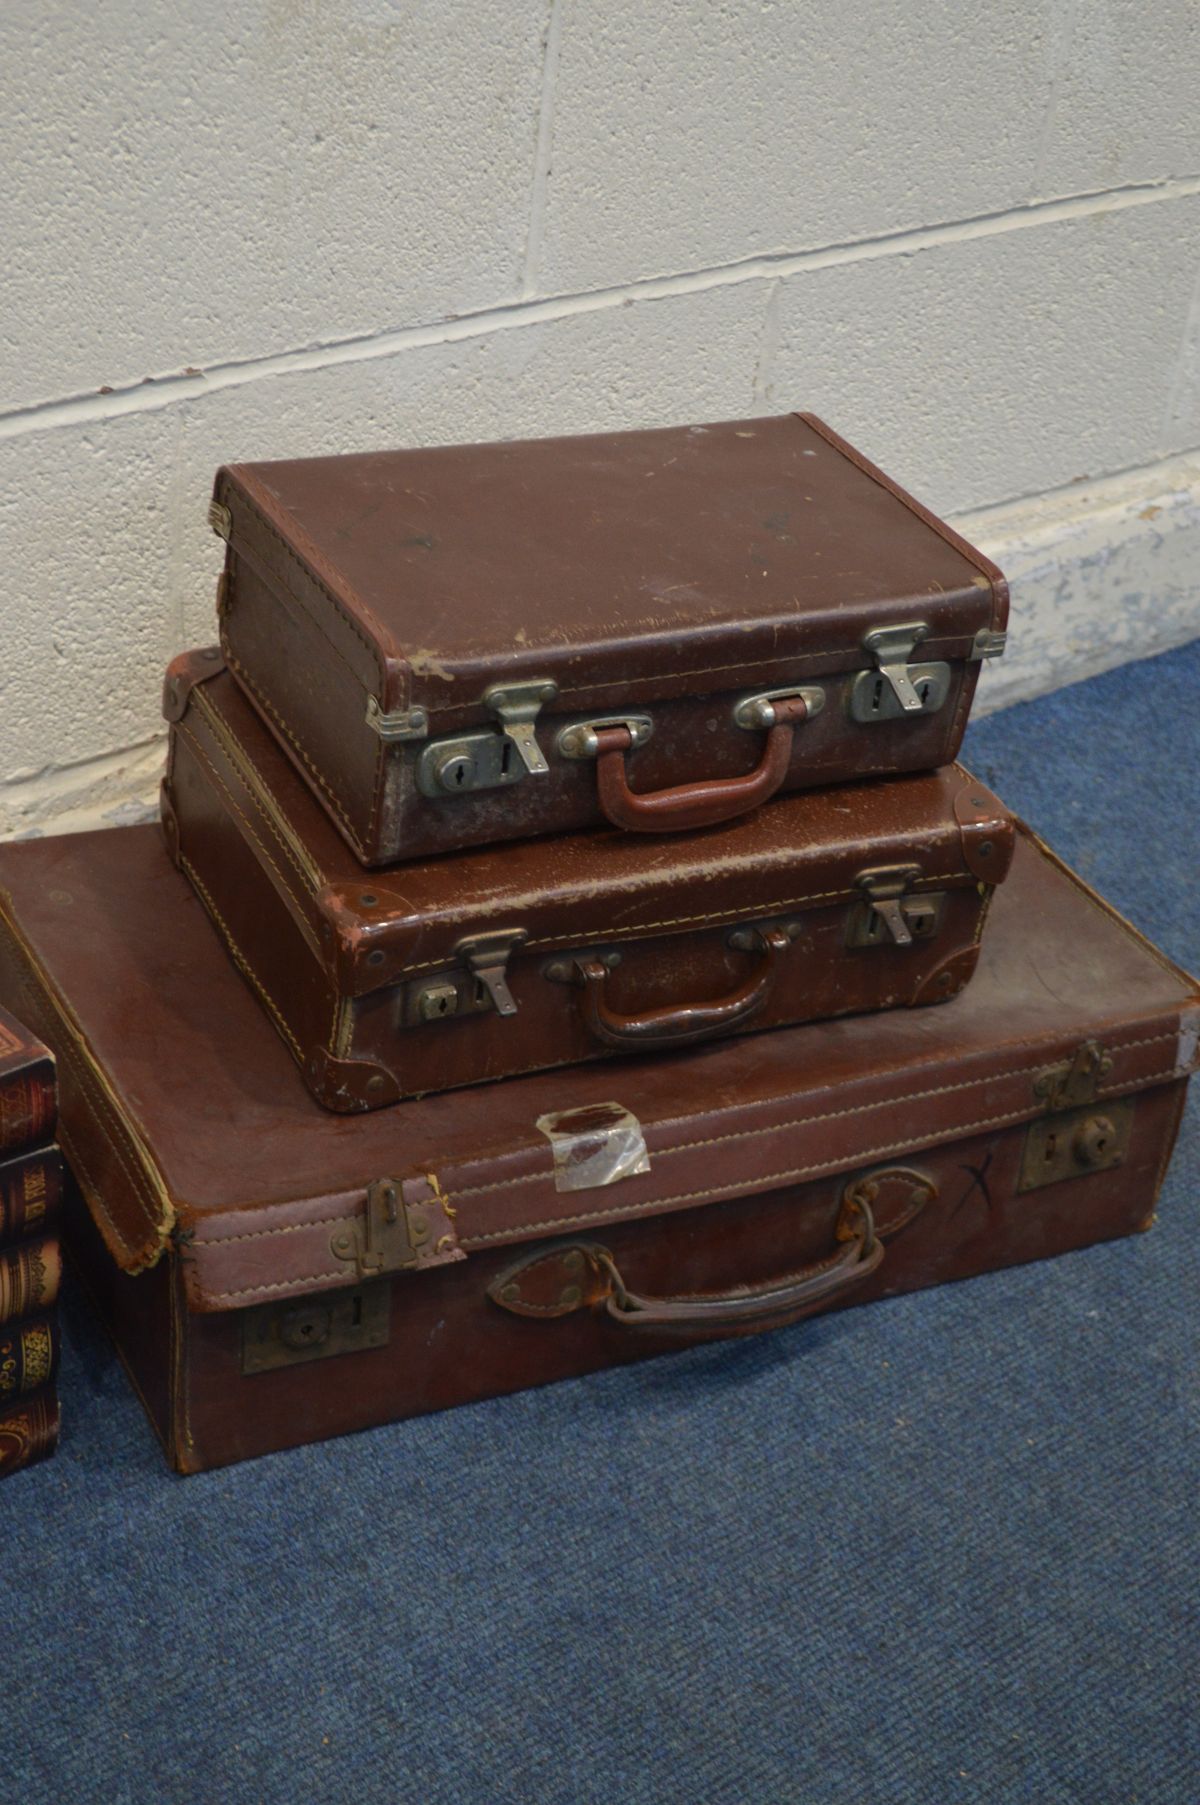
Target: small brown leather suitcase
pixel 478 643
pixel 501 960
pixel 274 1275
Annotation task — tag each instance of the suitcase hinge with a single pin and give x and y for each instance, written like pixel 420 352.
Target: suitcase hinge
pixel 397 1234
pixel 888 914
pixel 892 648
pixel 516 706
pixel 220 519
pixel 988 644
pixel 403 724
pixel 1074 1081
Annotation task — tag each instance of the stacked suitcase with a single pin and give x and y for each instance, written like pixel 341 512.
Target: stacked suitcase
pixel 581 818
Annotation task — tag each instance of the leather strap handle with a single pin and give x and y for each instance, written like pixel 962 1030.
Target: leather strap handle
pixel 769 1305
pixel 700 804
pixel 676 1024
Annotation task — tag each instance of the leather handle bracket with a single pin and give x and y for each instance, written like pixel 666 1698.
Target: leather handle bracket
pixel 692 805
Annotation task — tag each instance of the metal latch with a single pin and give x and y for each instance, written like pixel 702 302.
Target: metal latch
pixel 887 913
pixel 988 644
pixel 516 706
pixel 394 1234
pixel 315 1328
pixel 1075 1080
pixel 486 957
pixel 757 711
pixel 220 519
pixel 892 648
pixel 401 724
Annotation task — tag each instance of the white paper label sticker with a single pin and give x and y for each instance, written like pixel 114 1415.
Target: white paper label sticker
pixel 594 1146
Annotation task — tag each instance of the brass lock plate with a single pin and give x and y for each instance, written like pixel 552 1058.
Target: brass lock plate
pixel 315 1328
pixel 1093 1138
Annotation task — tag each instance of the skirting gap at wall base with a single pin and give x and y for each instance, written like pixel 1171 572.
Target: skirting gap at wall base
pixel 1101 574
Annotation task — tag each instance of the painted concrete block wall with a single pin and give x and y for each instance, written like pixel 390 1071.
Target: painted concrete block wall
pixel 970 237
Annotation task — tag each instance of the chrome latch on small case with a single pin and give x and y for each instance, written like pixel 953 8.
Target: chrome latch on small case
pixel 896 686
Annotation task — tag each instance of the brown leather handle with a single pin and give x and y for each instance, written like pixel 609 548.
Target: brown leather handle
pixel 700 804
pixel 675 1024
pixel 770 1305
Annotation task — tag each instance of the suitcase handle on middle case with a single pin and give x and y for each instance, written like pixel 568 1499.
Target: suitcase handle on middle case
pixel 676 1024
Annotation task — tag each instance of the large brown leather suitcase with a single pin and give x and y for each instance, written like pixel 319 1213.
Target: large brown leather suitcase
pixel 274 1275
pixel 508 959
pixel 486 642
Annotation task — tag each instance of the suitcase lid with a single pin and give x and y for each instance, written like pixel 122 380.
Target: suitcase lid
pixel 724 556
pixel 187 1124
pixel 803 851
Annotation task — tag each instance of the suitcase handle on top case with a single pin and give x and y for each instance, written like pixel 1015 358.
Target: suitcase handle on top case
pixel 701 804
pixel 676 1024
pixel 583 1273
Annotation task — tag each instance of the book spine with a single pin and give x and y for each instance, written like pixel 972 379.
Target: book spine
pixel 30 1195
pixel 28 1432
pixel 29 1279
pixel 28 1105
pixel 28 1358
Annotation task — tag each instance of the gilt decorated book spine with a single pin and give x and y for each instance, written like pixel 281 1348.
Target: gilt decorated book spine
pixel 29 1279
pixel 28 1358
pixel 30 1195
pixel 28 1431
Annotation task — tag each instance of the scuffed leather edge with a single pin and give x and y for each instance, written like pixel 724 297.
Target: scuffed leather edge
pixel 183 673
pixel 133 1247
pixel 348 1086
pixel 995 576
pixel 987 830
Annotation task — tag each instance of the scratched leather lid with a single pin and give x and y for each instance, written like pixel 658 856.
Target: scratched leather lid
pixel 181 1106
pixel 726 554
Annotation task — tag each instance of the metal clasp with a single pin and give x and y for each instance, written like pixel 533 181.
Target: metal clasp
pixel 888 913
pixel 395 1233
pixel 516 705
pixel 402 724
pixel 756 712
pixel 988 644
pixel 1073 1082
pixel 486 957
pixel 891 648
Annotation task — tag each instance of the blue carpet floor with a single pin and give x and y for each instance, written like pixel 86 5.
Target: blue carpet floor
pixel 942 1549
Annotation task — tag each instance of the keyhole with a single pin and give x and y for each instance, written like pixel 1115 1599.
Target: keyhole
pixel 505 755
pixel 877 695
pixel 1051 1148
pixel 923 692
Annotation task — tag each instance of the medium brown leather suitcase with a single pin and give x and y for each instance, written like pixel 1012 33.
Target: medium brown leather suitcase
pixel 274 1275
pixel 501 960
pixel 487 642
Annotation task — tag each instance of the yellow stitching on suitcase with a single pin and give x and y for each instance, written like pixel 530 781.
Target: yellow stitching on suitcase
pixel 242 963
pixel 222 785
pixel 833 1115
pixel 821 1168
pixel 157 1209
pixel 769 1181
pixel 307 870
pixel 680 921
pixel 235 664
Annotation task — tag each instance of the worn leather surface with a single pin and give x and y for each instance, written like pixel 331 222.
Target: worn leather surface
pixel 333 954
pixel 181 1107
pixel 629 568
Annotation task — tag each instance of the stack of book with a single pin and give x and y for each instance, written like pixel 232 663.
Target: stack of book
pixel 30 1257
